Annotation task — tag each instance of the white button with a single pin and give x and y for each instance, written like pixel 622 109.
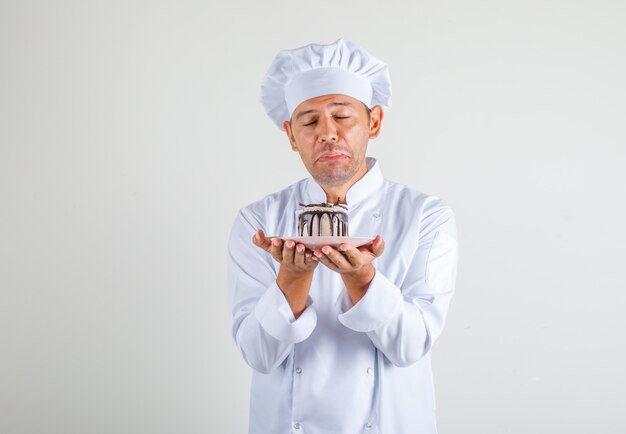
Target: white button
pixel 296 425
pixel 368 425
pixel 298 371
pixel 369 370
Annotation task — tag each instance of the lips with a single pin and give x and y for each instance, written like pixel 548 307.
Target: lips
pixel 331 156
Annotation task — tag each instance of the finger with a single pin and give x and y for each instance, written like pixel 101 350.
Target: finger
pixel 352 254
pixel 321 257
pixel 288 251
pixel 259 239
pixel 378 246
pixel 375 248
pixel 276 249
pixel 259 236
pixel 335 257
pixel 300 257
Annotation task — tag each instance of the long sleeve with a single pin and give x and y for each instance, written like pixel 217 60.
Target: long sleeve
pixel 263 325
pixel 404 320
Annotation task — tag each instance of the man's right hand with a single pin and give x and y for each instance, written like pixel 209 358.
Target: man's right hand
pixel 292 257
pixel 296 268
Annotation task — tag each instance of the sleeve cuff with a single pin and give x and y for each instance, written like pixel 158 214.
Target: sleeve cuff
pixel 275 316
pixel 379 305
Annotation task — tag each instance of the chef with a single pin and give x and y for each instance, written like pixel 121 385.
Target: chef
pixel 339 337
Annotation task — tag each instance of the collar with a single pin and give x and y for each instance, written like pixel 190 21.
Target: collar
pixel 360 190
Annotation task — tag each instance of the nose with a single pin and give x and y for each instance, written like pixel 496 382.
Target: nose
pixel 327 132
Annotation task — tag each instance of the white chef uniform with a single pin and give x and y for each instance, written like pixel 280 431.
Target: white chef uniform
pixel 342 368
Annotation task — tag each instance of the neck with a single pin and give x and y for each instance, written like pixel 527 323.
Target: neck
pixel 340 191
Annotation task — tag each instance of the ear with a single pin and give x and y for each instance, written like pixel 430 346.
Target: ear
pixel 292 141
pixel 376 119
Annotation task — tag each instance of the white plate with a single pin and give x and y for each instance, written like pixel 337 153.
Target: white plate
pixel 313 243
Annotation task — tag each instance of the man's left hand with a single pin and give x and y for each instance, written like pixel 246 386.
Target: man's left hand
pixel 353 263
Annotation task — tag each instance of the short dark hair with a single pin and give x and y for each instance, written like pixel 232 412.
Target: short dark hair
pixel 368 110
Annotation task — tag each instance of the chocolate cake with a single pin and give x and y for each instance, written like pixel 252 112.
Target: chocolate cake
pixel 323 220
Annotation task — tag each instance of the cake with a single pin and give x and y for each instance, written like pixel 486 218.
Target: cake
pixel 323 220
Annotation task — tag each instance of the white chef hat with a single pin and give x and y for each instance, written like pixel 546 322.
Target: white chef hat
pixel 314 70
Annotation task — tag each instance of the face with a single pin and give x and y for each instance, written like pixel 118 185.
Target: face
pixel 330 133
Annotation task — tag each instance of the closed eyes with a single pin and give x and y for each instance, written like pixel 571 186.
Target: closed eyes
pixel 336 117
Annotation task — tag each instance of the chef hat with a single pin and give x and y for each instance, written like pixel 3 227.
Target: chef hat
pixel 314 70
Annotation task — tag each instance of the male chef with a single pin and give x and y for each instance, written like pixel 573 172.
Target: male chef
pixel 339 337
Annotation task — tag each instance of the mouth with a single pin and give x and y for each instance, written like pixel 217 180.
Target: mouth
pixel 331 156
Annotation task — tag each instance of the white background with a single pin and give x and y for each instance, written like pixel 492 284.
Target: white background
pixel 131 133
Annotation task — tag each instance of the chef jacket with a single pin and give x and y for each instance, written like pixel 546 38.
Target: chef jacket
pixel 343 368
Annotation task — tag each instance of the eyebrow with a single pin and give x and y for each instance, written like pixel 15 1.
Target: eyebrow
pixel 306 112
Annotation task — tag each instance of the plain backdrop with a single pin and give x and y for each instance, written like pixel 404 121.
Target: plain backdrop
pixel 131 134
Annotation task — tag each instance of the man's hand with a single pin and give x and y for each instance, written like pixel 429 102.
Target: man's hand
pixel 354 264
pixel 291 256
pixel 296 268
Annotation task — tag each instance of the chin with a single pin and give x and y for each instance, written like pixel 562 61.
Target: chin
pixel 333 179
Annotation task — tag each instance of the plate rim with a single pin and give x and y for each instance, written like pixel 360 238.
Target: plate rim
pixel 313 238
pixel 362 241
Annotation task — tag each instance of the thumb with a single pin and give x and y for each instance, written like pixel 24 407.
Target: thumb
pixel 378 246
pixel 259 239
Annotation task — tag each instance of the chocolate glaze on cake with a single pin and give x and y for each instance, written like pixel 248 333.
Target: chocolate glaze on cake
pixel 323 220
